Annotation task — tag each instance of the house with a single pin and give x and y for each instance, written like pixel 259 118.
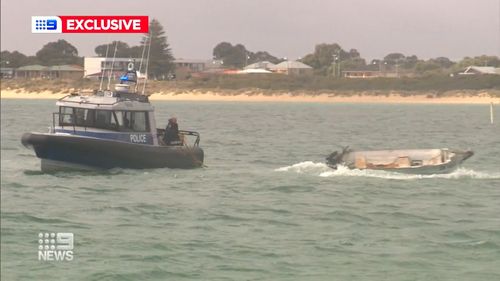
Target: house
pixel 98 67
pixel 49 72
pixel 254 71
pixel 6 72
pixel 361 73
pixel 260 65
pixel 35 71
pixel 193 65
pixel 65 72
pixel 480 70
pixel 292 68
pixel 184 68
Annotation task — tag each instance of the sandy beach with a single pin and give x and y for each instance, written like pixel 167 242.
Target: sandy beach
pixel 455 98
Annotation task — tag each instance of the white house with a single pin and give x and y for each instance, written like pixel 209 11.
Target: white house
pixel 292 68
pixel 97 67
pixel 475 70
pixel 260 65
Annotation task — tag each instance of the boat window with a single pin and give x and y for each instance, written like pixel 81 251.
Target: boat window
pixel 135 121
pixel 65 116
pixel 80 116
pixel 139 122
pixel 119 118
pixel 105 119
pixel 84 117
pixel 127 121
pixel 124 118
pixel 89 117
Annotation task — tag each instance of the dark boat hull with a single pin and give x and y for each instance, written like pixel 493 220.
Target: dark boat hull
pixel 55 150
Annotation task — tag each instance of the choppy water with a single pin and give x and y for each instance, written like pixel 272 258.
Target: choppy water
pixel 265 207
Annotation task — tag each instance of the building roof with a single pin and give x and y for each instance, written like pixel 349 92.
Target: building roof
pixel 65 68
pixel 260 65
pixel 34 67
pixel 254 71
pixel 291 65
pixel 37 67
pixel 111 58
pixel 481 69
pixel 360 71
pixel 190 61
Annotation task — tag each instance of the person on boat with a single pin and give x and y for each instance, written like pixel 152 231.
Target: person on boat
pixel 172 132
pixel 126 122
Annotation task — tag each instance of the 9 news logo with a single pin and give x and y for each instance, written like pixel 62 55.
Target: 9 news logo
pixel 44 24
pixel 55 246
pixel 89 24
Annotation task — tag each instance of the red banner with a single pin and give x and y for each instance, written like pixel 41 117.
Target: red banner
pixel 105 24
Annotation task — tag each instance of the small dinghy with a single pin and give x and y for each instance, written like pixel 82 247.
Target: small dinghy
pixel 410 161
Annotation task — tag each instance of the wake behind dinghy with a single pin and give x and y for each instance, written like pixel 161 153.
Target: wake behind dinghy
pixel 111 129
pixel 410 161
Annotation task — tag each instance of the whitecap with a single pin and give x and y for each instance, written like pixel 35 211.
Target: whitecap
pixel 322 170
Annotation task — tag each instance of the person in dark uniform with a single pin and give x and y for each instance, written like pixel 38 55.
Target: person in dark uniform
pixel 172 132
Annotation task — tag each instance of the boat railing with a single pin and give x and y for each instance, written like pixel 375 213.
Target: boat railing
pixel 120 98
pixel 191 133
pixel 182 133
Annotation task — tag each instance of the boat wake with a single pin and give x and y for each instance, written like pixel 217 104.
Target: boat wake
pixel 322 170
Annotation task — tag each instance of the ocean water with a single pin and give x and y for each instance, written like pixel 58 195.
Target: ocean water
pixel 265 207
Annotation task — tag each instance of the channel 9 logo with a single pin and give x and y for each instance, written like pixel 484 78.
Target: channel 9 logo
pixel 55 246
pixel 46 24
pixel 89 24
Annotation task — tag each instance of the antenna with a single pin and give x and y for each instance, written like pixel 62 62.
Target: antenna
pixel 147 65
pixel 112 65
pixel 140 66
pixel 102 76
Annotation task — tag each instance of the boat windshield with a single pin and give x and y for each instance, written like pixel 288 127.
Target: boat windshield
pixel 126 121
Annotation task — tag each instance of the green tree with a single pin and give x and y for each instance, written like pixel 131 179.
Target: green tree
pixel 13 59
pixel 57 53
pixel 326 55
pixel 443 62
pixel 222 50
pixel 400 61
pixel 428 68
pixel 410 62
pixel 238 56
pixel 479 61
pixel 135 51
pixel 160 57
pixel 263 56
pixel 353 53
pixel 232 56
pixel 356 63
pixel 122 49
pixel 394 58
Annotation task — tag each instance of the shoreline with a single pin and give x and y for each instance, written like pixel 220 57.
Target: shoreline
pixel 255 96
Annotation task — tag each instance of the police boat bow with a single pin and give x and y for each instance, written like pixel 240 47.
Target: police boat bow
pixel 109 129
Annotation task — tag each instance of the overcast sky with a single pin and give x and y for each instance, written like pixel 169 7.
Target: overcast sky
pixel 285 28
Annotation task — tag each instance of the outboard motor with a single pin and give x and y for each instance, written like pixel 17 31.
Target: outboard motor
pixel 332 160
pixel 336 158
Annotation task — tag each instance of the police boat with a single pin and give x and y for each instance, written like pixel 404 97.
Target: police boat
pixel 112 129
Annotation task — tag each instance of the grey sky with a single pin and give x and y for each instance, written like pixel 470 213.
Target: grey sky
pixel 426 28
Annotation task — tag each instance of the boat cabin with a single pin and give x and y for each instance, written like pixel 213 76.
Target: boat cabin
pixel 109 115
